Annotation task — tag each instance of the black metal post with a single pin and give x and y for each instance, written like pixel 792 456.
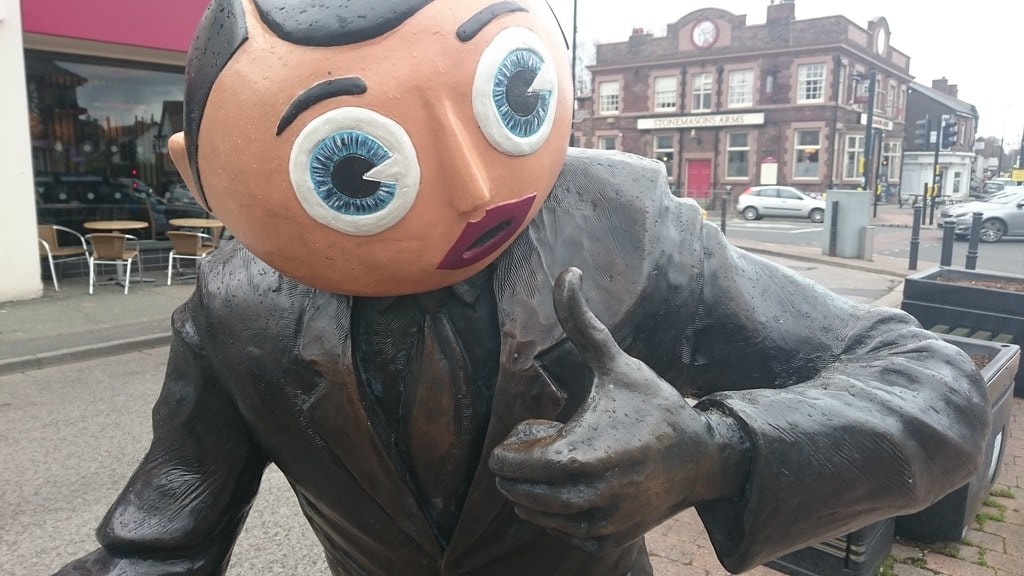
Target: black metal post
pixel 915 236
pixel 972 246
pixel 833 232
pixel 725 208
pixel 869 144
pixel 936 183
pixel 946 257
pixel 931 210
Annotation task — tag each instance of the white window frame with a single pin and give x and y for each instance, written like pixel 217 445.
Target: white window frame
pixel 798 148
pixel 730 148
pixel 857 150
pixel 699 91
pixel 609 97
pixel 741 88
pixel 603 139
pixel 666 93
pixel 891 151
pixel 659 151
pixel 810 86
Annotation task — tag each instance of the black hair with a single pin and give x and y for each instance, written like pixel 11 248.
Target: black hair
pixel 312 23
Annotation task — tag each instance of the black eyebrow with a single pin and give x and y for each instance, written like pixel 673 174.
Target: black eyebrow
pixel 347 86
pixel 477 22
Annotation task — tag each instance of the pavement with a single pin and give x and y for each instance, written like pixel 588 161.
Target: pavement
pixel 72 326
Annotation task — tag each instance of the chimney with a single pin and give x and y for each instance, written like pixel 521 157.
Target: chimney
pixel 942 85
pixel 953 91
pixel 784 11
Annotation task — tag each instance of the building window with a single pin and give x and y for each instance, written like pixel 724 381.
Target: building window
pixel 854 154
pixel 958 182
pixel 665 88
pixel 810 83
pixel 608 97
pixel 741 88
pixel 880 99
pixel 607 142
pixel 702 92
pixel 737 146
pixel 665 150
pixel 805 158
pixel 889 169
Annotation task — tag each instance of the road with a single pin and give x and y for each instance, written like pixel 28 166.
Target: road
pixel 1004 256
pixel 70 436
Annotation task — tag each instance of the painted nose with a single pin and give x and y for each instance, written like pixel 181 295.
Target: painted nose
pixel 470 188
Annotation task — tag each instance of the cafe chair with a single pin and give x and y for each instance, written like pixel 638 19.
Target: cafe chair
pixel 187 245
pixel 118 249
pixel 50 246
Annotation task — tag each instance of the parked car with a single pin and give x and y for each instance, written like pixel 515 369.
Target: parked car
pixel 1002 215
pixel 760 201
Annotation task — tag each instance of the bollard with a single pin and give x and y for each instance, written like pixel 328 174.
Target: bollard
pixel 725 207
pixel 833 232
pixel 972 247
pixel 931 212
pixel 946 257
pixel 915 236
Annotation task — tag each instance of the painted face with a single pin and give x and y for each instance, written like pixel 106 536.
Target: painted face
pixel 397 165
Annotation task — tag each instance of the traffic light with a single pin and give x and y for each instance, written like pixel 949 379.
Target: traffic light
pixel 949 132
pixel 921 133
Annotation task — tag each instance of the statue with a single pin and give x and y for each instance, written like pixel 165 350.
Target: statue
pixel 469 347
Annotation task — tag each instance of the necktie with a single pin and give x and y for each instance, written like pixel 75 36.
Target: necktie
pixel 441 423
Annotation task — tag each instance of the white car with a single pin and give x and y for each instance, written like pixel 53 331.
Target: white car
pixel 760 201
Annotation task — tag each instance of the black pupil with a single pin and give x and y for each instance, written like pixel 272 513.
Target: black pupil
pixel 519 101
pixel 347 177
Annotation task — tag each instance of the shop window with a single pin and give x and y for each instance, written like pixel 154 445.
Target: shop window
pixel 665 88
pixel 99 131
pixel 702 84
pixel 810 83
pixel 741 88
pixel 807 147
pixel 608 97
pixel 890 168
pixel 665 151
pixel 737 155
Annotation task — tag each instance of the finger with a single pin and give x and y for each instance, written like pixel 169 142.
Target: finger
pixel 595 524
pixel 586 332
pixel 553 498
pixel 527 453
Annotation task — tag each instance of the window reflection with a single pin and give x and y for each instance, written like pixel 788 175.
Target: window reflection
pixel 99 139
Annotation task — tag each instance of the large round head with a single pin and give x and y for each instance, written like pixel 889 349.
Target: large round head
pixel 376 147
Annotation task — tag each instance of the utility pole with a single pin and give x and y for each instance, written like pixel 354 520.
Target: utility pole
pixel 1020 152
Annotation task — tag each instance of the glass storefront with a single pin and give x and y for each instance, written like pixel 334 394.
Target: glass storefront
pixel 99 132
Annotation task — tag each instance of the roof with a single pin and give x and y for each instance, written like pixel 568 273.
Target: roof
pixel 953 103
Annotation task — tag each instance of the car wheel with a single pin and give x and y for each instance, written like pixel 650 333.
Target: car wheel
pixel 992 230
pixel 750 213
pixel 817 215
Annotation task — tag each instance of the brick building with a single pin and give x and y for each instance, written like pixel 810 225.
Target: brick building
pixel 726 104
pixel 956 163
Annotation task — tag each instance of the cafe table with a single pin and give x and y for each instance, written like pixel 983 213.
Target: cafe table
pixel 118 226
pixel 212 224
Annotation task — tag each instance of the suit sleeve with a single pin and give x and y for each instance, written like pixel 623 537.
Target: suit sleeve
pixel 853 413
pixel 185 504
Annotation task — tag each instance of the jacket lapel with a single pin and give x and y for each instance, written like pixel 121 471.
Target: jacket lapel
pixel 338 417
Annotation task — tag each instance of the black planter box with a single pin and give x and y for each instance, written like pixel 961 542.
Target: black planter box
pixel 962 309
pixel 859 553
pixel 949 518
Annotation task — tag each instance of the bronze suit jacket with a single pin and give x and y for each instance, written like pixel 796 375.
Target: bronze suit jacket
pixel 854 413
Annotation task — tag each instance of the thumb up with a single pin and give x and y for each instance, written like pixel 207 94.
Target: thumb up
pixel 632 455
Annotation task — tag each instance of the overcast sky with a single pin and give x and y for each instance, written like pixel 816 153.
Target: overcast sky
pixel 973 44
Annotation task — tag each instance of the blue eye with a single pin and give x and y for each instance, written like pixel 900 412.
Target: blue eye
pixel 522 112
pixel 338 169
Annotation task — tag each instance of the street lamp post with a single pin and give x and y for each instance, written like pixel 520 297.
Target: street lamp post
pixel 866 168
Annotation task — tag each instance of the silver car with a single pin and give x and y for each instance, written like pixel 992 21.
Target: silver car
pixel 1002 215
pixel 760 201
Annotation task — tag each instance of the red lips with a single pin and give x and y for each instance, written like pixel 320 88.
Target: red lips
pixel 481 238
